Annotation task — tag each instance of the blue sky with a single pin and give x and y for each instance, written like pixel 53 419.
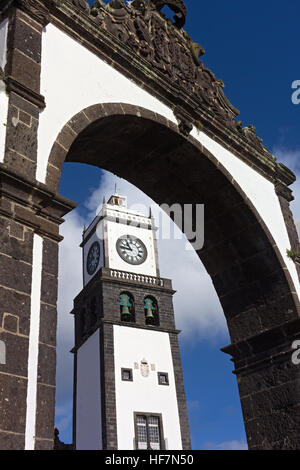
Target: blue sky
pixel 253 48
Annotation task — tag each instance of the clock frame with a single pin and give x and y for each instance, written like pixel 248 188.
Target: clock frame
pixel 131 249
pixel 93 258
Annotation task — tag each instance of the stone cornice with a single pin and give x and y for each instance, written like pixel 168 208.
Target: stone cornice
pixel 216 117
pixel 163 59
pixel 19 88
pixel 104 275
pixel 35 8
pixel 32 204
pixel 251 352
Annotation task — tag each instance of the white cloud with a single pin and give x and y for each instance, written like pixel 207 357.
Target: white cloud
pixel 227 445
pixel 193 405
pixel 63 415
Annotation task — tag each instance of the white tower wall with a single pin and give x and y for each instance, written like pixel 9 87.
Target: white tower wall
pixel 88 396
pixel 144 394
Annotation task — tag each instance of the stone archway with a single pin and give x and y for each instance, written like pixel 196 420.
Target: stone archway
pixel 240 254
pixel 134 55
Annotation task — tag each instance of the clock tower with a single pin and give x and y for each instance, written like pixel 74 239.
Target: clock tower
pixel 128 385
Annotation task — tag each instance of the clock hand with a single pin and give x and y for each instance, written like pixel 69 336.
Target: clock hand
pixel 129 247
pixel 127 242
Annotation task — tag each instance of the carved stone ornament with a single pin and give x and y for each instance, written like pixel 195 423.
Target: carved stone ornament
pixel 184 121
pixel 82 4
pixel 284 177
pixel 160 48
pixel 36 9
pixel 283 191
pixel 250 133
pixel 145 369
pixel 168 55
pixel 167 49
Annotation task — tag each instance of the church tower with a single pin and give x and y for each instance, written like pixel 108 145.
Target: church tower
pixel 128 385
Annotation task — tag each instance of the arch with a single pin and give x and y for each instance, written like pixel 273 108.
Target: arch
pixel 252 281
pixel 127 307
pixel 82 120
pixel 250 276
pixel 152 309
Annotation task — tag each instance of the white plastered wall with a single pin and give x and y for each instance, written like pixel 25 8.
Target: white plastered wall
pixel 3 95
pixel 88 396
pixel 144 394
pixel 73 78
pixel 33 352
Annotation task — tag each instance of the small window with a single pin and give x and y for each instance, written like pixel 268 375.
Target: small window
pixel 126 375
pixel 163 378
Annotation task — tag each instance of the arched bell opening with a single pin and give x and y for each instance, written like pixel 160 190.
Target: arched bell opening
pixel 151 311
pixel 127 307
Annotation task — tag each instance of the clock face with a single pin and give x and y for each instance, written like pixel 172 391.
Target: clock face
pixel 93 258
pixel 131 249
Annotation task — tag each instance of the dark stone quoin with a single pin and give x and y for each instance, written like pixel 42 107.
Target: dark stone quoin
pixel 249 274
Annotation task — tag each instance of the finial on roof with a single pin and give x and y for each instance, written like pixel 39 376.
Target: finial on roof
pixel 103 200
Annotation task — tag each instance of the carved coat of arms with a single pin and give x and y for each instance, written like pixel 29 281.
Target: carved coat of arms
pixel 145 369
